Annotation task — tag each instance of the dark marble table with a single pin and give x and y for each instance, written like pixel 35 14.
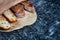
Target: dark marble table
pixel 47 26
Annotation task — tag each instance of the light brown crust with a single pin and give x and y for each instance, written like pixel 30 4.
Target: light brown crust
pixel 28 6
pixel 29 16
pixel 1 28
pixel 27 3
pixel 11 21
pixel 6 4
pixel 6 14
pixel 18 10
pixel 4 21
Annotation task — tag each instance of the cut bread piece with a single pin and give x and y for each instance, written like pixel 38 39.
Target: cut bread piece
pixel 28 6
pixel 4 24
pixel 29 19
pixel 19 10
pixel 10 16
pixel 25 10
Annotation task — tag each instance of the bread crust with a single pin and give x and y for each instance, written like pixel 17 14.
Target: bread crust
pixel 18 10
pixel 24 13
pixel 10 16
pixel 4 24
pixel 28 6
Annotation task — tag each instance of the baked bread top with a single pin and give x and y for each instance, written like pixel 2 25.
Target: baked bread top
pixel 18 16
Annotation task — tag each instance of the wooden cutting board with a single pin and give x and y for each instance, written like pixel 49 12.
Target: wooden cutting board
pixel 6 4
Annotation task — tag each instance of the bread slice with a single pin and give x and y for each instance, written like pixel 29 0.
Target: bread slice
pixel 29 16
pixel 28 6
pixel 19 10
pixel 10 16
pixel 4 24
pixel 29 19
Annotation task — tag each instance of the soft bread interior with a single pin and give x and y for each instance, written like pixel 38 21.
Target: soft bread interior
pixel 10 16
pixel 29 19
pixel 4 24
pixel 27 15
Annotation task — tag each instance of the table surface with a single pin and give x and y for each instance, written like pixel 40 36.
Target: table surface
pixel 47 26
